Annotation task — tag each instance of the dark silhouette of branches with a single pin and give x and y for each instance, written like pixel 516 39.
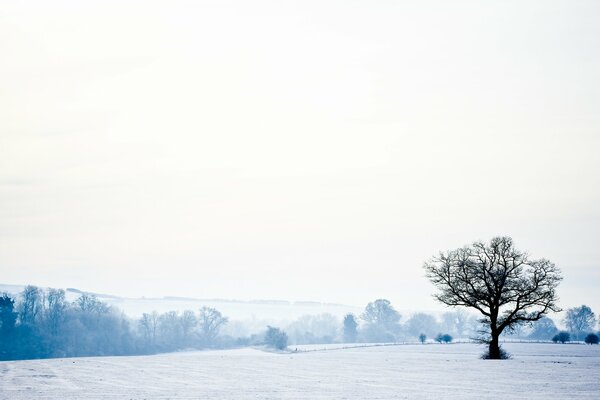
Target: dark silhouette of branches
pixel 499 281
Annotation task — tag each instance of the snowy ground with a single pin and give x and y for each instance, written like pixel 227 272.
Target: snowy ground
pixel 537 371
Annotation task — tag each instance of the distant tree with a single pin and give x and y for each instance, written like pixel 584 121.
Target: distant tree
pixel 308 329
pixel 170 330
pixel 276 338
pixel 8 315
pixel 350 328
pixel 382 321
pixel 56 308
pixel 497 280
pixel 89 304
pixel 422 338
pixel 580 320
pixel 561 337
pixel 149 326
pixel 443 338
pixel 210 321
pixel 188 322
pixel 516 331
pixel 449 322
pixel 380 312
pixel 543 329
pixel 591 338
pixel 459 323
pixel 8 320
pixel 31 304
pixel 421 323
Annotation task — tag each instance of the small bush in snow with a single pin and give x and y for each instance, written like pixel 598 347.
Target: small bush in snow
pixel 422 338
pixel 561 337
pixel 591 339
pixel 445 338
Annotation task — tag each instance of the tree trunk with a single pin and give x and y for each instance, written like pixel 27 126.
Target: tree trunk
pixel 494 350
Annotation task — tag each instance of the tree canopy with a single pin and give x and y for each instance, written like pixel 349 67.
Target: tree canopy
pixel 502 283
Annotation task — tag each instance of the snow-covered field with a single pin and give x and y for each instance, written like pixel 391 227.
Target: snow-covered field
pixel 537 371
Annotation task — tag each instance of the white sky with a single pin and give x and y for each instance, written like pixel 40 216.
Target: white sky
pixel 297 150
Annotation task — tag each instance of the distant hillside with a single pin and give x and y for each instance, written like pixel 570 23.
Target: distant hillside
pixel 275 310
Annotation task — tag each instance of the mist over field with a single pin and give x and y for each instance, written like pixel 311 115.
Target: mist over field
pixel 299 199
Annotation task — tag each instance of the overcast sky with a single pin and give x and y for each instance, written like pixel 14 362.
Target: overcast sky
pixel 295 150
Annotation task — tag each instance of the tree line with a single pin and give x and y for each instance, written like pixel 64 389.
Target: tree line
pixel 380 322
pixel 41 323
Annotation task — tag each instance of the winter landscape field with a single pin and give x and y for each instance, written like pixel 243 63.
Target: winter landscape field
pixel 296 199
pixel 431 371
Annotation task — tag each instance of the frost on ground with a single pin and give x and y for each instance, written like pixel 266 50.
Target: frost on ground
pixel 537 371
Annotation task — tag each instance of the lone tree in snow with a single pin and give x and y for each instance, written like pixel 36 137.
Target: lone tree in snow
pixel 497 280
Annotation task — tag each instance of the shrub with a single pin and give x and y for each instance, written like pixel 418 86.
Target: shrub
pixel 561 337
pixel 422 338
pixel 504 355
pixel 276 338
pixel 445 338
pixel 591 339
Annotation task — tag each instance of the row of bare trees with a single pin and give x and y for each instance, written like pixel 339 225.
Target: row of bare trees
pixel 42 323
pixel 172 331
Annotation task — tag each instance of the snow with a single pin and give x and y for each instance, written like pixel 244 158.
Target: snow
pixel 537 371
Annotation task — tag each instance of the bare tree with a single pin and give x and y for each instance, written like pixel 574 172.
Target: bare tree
pixel 543 329
pixel 497 280
pixel 459 323
pixel 580 321
pixel 276 338
pixel 31 304
pixel 382 321
pixel 210 321
pixel 89 303
pixel 308 329
pixel 170 330
pixel 149 325
pixel 55 312
pixel 381 312
pixel 187 321
pixel 420 323
pixel 350 328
